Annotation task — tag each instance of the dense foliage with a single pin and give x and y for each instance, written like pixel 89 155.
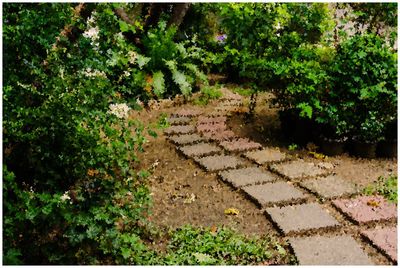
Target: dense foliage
pixel 72 72
pixel 336 71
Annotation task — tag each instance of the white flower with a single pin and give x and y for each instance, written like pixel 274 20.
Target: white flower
pixel 278 26
pixel 92 33
pixel 126 73
pixel 139 102
pixel 132 56
pixel 120 110
pixel 88 72
pixel 65 197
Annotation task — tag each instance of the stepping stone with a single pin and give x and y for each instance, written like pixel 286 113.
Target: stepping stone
pixel 321 250
pixel 219 135
pixel 274 193
pixel 179 120
pixel 385 239
pixel 211 127
pixel 246 176
pixel 240 145
pixel 330 187
pixel 298 169
pixel 267 155
pixel 186 129
pixel 211 119
pixel 187 113
pixel 219 162
pixel 186 139
pixel 199 149
pixel 297 218
pixel 367 208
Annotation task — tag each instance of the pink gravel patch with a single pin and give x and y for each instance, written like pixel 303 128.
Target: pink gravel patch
pixel 367 208
pixel 240 144
pixel 385 239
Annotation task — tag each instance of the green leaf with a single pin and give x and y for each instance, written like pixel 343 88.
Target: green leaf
pixel 126 252
pixel 152 133
pixel 142 60
pixel 158 84
pixel 306 110
pixel 123 26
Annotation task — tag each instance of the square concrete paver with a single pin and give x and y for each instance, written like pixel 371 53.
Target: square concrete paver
pixel 199 149
pixel 385 239
pixel 211 127
pixel 186 113
pixel 365 209
pixel 267 155
pixel 185 129
pixel 299 169
pixel 274 193
pixel 186 138
pixel 179 120
pixel 247 176
pixel 211 119
pixel 321 250
pixel 303 217
pixel 219 135
pixel 240 144
pixel 330 187
pixel 219 162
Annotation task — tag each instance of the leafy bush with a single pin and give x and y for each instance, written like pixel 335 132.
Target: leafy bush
pixel 261 37
pixel 70 190
pixel 364 79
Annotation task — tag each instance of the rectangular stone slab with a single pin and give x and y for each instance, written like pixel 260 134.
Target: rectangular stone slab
pixel 211 119
pixel 240 144
pixel 219 135
pixel 199 149
pixel 247 176
pixel 211 127
pixel 219 162
pixel 298 169
pixel 329 187
pixel 185 129
pixel 186 113
pixel 179 120
pixel 274 193
pixel 365 209
pixel 297 218
pixel 186 138
pixel 266 155
pixel 336 250
pixel 385 239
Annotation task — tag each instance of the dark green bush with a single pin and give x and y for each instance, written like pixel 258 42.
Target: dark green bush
pixel 363 97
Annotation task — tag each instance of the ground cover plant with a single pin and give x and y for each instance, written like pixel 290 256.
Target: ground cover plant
pixel 386 187
pixel 73 73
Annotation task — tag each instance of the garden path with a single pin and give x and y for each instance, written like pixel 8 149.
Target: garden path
pixel 324 218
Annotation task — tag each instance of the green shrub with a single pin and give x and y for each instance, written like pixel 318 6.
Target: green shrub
pixel 386 187
pixel 364 79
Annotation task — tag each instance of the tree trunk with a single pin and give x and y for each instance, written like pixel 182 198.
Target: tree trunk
pixel 179 13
